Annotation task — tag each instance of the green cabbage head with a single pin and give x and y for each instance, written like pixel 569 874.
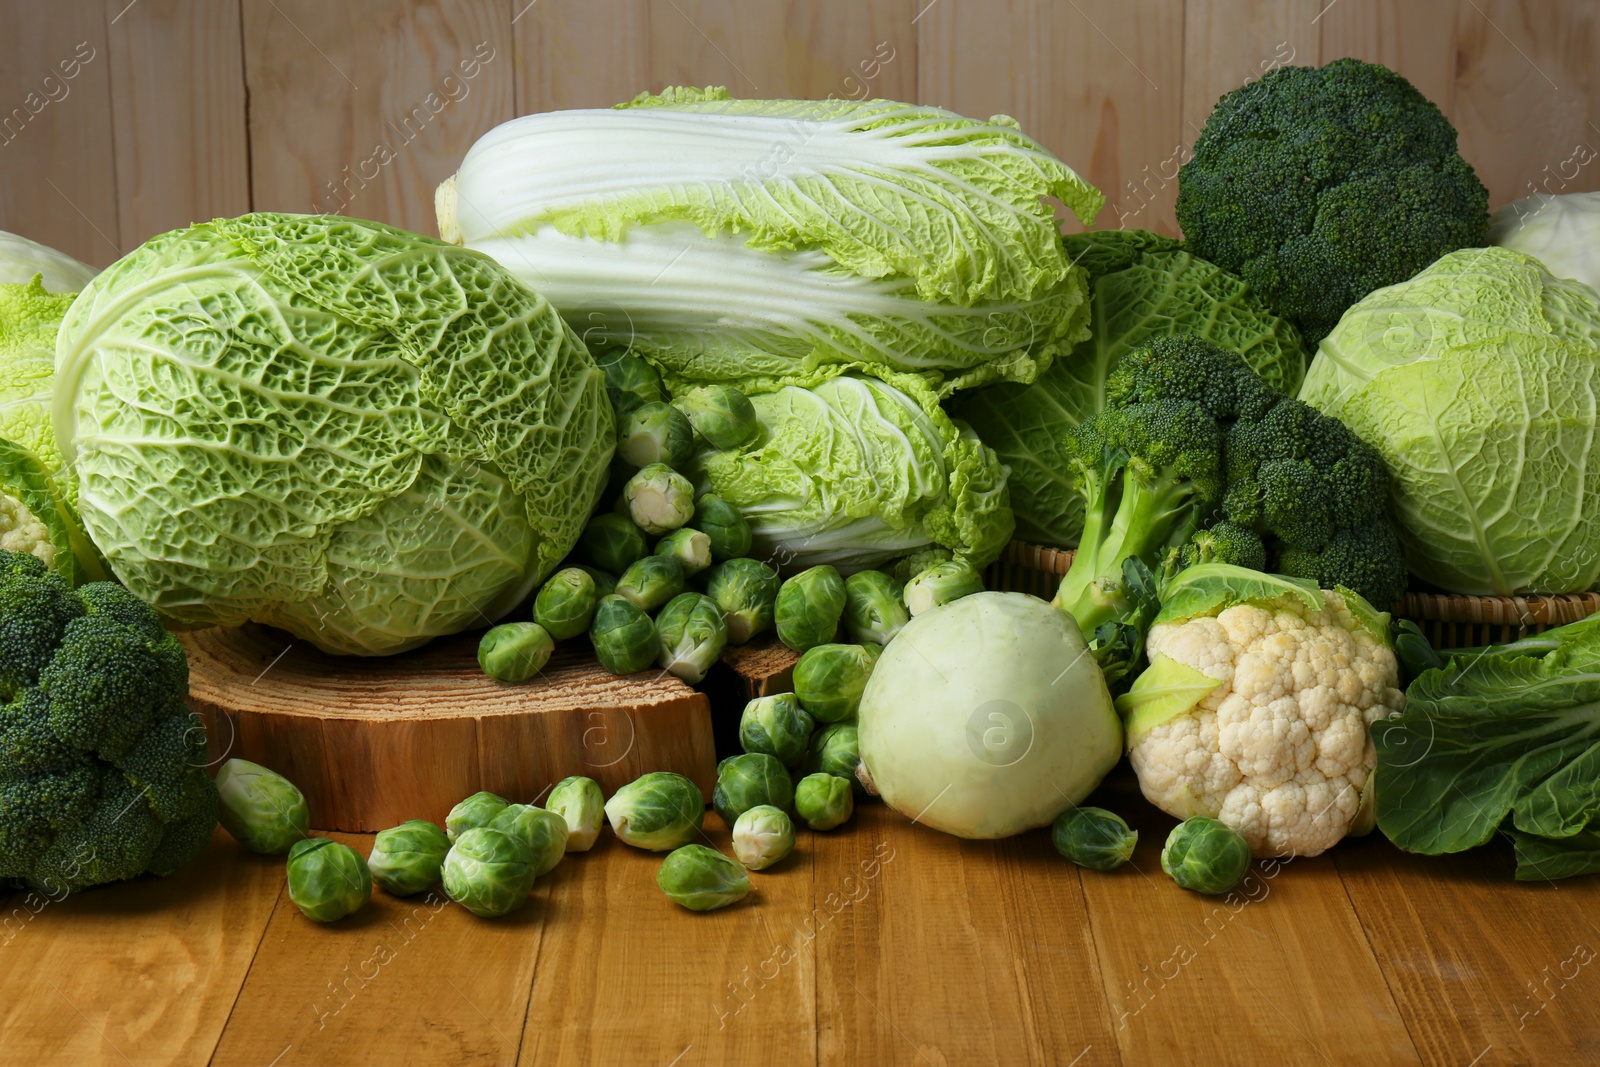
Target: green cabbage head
pixel 1479 381
pixel 360 435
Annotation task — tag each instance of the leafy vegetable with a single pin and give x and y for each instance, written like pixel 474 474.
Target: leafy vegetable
pixel 747 592
pixel 514 651
pixel 360 435
pixel 21 260
pixel 489 872
pixel 940 584
pixel 1319 185
pixel 778 726
pixel 565 605
pixel 580 802
pixel 1205 856
pixel 1475 381
pixel 1143 286
pixel 408 858
pixel 873 609
pixel 102 766
pixel 327 880
pixel 809 607
pixel 1094 838
pixel 762 836
pixel 544 831
pixel 748 781
pixel 824 801
pixel 829 679
pixel 624 637
pixel 1561 232
pixel 781 240
pixel 657 811
pixel 702 879
pixel 480 809
pixel 691 634
pixel 260 808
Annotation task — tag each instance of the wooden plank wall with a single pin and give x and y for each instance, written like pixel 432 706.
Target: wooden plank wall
pixel 123 118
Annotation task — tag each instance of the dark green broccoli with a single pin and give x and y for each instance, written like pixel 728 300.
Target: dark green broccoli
pixel 102 766
pixel 1317 186
pixel 1196 459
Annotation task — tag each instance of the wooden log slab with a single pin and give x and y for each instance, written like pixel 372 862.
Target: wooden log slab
pixel 374 742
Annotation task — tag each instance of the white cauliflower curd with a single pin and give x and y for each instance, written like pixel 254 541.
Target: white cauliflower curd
pixel 1257 706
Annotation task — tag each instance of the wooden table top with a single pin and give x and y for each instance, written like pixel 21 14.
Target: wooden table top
pixel 879 943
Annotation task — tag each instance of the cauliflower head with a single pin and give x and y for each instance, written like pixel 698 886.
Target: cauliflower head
pixel 1257 707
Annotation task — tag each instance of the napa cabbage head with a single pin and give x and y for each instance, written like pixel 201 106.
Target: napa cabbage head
pixel 856 471
pixel 1477 380
pixel 1143 286
pixel 360 435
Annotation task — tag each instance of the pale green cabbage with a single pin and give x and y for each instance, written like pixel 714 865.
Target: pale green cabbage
pixel 1479 382
pixel 22 259
pixel 854 472
pixel 1561 232
pixel 363 436
pixel 741 239
pixel 1144 286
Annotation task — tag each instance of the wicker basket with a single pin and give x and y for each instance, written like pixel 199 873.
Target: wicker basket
pixel 1450 620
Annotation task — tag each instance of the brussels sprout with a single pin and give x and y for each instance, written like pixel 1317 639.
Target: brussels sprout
pixel 656 433
pixel 327 880
pixel 630 381
pixel 809 607
pixel 908 567
pixel 1205 855
pixel 836 750
pixel 702 879
pixel 778 726
pixel 719 413
pixel 605 583
pixel 623 635
pixel 744 782
pixel 762 836
pixel 747 592
pixel 514 651
pixel 657 811
pixel 691 635
pixel 873 612
pixel 829 679
pixel 651 582
pixel 690 547
pixel 659 499
pixel 543 830
pixel 824 801
pixel 489 872
pixel 261 808
pixel 580 802
pixel 565 606
pixel 940 584
pixel 1093 838
pixel 613 543
pixel 406 859
pixel 726 526
pixel 480 809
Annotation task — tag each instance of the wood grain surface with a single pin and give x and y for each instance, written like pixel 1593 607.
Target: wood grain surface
pixel 190 110
pixel 373 742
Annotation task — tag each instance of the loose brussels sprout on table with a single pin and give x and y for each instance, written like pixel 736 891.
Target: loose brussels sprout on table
pixel 408 858
pixel 327 880
pixel 656 432
pixel 515 651
pixel 691 634
pixel 565 606
pixel 748 781
pixel 829 679
pixel 613 543
pixel 778 726
pixel 824 801
pixel 480 809
pixel 1093 838
pixel 747 592
pixel 651 582
pixel 719 413
pixel 657 811
pixel 261 808
pixel 836 750
pixel 690 547
pixel 1205 855
pixel 873 610
pixel 624 636
pixel 702 879
pixel 940 584
pixel 659 499
pixel 544 831
pixel 581 804
pixel 809 608
pixel 630 381
pixel 727 527
pixel 489 872
pixel 762 836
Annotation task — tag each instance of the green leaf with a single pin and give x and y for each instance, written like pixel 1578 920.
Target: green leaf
pixel 1165 690
pixel 23 477
pixel 1211 588
pixel 1543 859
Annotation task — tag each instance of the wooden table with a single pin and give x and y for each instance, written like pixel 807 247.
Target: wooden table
pixel 879 943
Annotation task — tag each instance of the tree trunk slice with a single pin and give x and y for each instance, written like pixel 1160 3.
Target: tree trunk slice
pixel 763 667
pixel 374 742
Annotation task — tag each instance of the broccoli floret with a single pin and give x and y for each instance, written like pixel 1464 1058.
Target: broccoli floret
pixel 102 767
pixel 1319 185
pixel 1196 459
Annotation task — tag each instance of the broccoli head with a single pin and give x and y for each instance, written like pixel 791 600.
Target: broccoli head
pixel 1196 459
pixel 102 766
pixel 1319 185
